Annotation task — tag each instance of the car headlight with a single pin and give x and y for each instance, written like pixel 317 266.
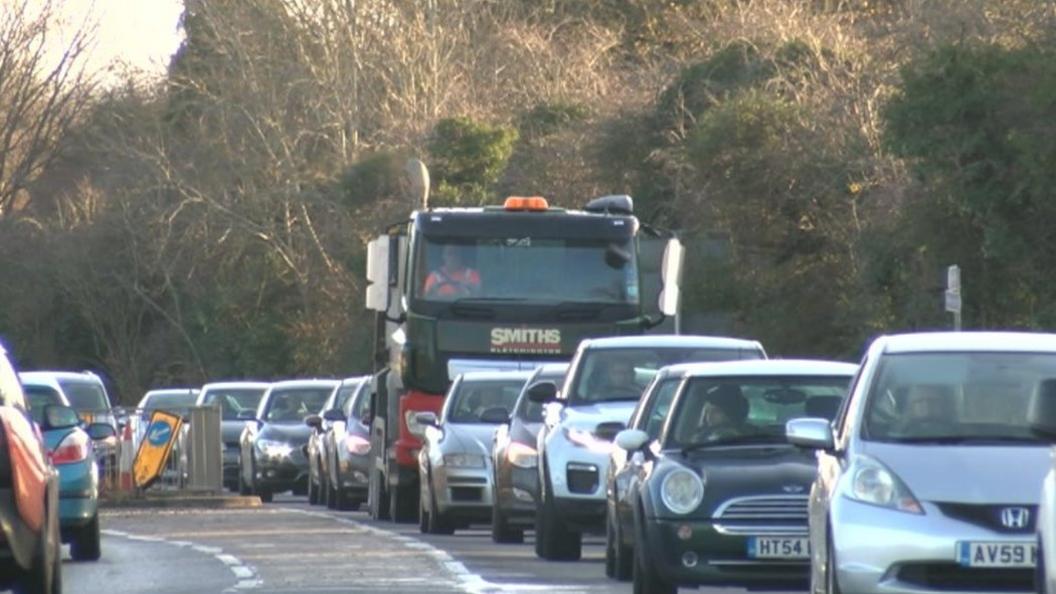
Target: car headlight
pixel 586 439
pixel 464 460
pixel 874 484
pixel 682 491
pixel 522 455
pixel 274 449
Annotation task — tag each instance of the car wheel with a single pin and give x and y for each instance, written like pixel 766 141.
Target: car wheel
pixel 501 531
pixel 439 523
pixel 243 488
pixel 403 503
pixel 832 584
pixel 646 579
pixel 623 555
pixel 265 496
pixel 86 542
pixel 45 575
pixel 377 498
pixel 423 516
pixel 313 492
pixel 333 496
pixel 553 541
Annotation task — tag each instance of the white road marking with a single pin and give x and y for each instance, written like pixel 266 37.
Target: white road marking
pixel 246 574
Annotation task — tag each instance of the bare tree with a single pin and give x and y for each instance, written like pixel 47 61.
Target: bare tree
pixel 42 91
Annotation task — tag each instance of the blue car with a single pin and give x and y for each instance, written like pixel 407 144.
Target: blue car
pixel 71 450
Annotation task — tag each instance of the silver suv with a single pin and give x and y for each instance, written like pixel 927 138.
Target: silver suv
pixel 603 385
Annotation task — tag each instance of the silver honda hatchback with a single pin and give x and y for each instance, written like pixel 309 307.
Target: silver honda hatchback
pixel 929 478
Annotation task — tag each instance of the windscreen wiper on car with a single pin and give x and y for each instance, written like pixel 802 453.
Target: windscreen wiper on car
pixel 966 439
pixel 757 438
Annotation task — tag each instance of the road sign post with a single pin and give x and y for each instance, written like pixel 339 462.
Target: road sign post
pixel 953 294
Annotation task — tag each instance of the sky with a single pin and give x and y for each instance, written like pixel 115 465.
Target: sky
pixel 137 34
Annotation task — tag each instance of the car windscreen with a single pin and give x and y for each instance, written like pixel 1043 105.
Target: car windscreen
pixel 85 396
pixel 965 398
pixel 717 411
pixel 39 397
pixel 356 407
pixel 532 412
pixel 473 398
pixel 233 401
pixel 527 269
pixel 172 402
pixel 613 374
pixel 658 405
pixel 288 405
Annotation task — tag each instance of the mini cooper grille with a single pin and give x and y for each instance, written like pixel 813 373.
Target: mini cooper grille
pixel 772 514
pixel 779 508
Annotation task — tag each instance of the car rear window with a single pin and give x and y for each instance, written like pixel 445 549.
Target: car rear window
pixel 40 397
pixel 85 396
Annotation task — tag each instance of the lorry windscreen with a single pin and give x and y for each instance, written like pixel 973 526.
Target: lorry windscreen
pixel 526 269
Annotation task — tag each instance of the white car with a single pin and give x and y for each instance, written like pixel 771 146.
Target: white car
pixel 604 383
pixel 929 478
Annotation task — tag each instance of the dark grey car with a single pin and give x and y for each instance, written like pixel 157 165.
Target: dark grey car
pixel 515 462
pixel 272 457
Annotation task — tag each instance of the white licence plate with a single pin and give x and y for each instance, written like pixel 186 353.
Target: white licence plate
pixel 997 554
pixel 776 547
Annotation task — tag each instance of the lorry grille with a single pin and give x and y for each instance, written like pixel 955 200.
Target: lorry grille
pixel 770 514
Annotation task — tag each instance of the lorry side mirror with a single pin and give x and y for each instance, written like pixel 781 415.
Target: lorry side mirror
pixel 670 276
pixel 543 392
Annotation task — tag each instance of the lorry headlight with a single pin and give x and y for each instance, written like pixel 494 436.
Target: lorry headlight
pixel 682 491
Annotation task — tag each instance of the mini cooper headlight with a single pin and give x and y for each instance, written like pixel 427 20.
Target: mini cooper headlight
pixel 464 461
pixel 874 484
pixel 682 491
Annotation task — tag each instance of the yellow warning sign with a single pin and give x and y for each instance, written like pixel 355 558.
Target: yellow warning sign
pixel 154 450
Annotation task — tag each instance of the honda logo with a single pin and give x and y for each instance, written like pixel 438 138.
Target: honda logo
pixel 1015 517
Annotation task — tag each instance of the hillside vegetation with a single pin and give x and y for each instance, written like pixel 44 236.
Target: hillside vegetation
pixel 825 160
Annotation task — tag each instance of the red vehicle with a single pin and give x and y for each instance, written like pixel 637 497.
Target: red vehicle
pixel 30 553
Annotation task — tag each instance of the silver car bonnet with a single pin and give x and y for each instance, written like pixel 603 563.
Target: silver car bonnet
pixel 588 416
pixel 468 438
pixel 967 474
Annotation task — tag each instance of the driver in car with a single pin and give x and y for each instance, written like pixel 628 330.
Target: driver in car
pixel 927 406
pixel 616 379
pixel 724 414
pixel 453 279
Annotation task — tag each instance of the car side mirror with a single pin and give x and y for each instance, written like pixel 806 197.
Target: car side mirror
pixel 813 434
pixel 543 392
pixel 314 421
pixel 334 415
pixel 631 440
pixel 1041 416
pixel 422 420
pixel 495 416
pixel 101 431
pixel 57 416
